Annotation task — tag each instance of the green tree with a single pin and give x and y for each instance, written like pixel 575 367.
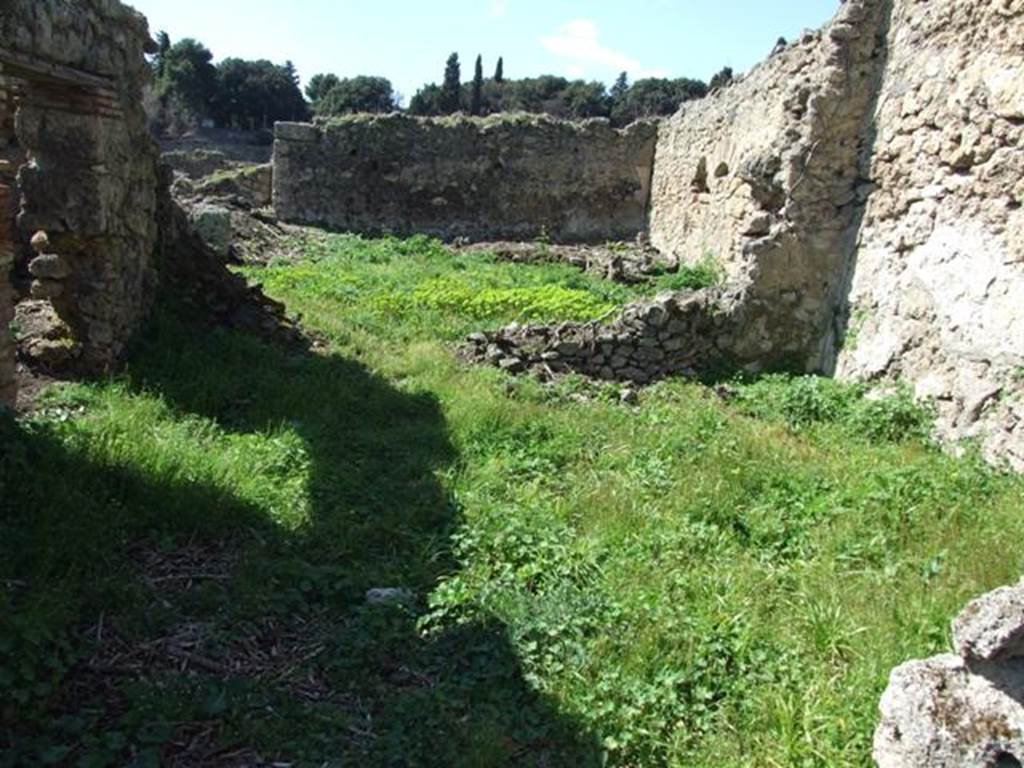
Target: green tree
pixel 319 86
pixel 499 70
pixel 583 100
pixel 163 45
pixel 451 88
pixel 189 79
pixel 536 94
pixel 722 80
pixel 256 94
pixel 621 87
pixel 477 94
pixel 427 101
pixel 654 97
pixel 358 94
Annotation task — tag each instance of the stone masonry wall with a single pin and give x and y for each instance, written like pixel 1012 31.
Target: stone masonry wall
pixel 937 295
pixel 764 177
pixel 862 189
pixel 8 393
pixel 90 182
pixel 507 177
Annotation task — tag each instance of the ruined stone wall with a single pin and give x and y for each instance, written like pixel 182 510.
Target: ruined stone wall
pixel 8 393
pixel 91 178
pixel 862 189
pixel 507 177
pixel 937 295
pixel 764 177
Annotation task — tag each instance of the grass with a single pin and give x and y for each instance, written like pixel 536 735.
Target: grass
pixel 700 580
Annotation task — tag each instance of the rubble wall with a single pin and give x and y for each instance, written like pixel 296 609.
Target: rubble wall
pixel 91 179
pixel 505 177
pixel 937 279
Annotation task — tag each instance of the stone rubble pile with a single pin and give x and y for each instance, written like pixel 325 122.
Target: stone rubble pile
pixel 964 710
pixel 670 335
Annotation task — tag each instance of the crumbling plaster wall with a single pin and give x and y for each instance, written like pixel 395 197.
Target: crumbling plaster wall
pixel 764 177
pixel 937 294
pixel 505 177
pixel 91 180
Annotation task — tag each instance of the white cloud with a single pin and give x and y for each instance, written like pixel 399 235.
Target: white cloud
pixel 578 42
pixel 499 7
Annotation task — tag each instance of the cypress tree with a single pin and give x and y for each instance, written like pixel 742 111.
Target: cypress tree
pixel 499 71
pixel 163 42
pixel 451 90
pixel 621 87
pixel 476 100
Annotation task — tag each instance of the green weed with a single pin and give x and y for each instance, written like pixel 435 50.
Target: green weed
pixel 690 581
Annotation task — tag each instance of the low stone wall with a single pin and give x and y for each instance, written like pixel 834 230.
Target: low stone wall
pixel 506 177
pixel 91 179
pixel 862 190
pixel 672 334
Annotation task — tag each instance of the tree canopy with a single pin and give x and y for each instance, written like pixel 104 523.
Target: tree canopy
pixel 557 96
pixel 235 93
pixel 187 76
pixel 256 94
pixel 451 87
pixel 356 94
pixel 319 86
pixel 238 93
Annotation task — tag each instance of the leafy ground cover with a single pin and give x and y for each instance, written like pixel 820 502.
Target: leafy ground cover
pixel 716 576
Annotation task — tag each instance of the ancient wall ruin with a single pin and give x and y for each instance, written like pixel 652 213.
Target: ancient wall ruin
pixel 862 189
pixel 90 181
pixel 8 389
pixel 764 177
pixel 506 177
pixel 937 276
pixel 864 186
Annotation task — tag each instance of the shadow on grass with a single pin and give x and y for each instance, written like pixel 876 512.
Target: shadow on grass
pixel 283 657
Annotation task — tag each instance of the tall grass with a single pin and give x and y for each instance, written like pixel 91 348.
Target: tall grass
pixel 693 581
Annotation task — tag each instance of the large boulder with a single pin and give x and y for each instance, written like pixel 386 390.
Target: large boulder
pixel 213 225
pixel 961 711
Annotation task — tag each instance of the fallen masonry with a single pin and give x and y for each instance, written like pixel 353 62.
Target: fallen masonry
pixel 964 710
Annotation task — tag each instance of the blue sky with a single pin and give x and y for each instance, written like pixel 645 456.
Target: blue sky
pixel 408 41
